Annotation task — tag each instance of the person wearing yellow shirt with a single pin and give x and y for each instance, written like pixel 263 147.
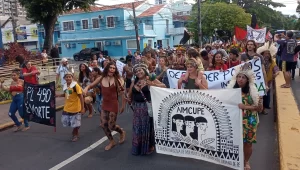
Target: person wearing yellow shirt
pixel 74 105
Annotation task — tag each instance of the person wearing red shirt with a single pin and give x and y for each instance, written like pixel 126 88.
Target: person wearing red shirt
pixel 30 74
pixel 233 58
pixel 217 63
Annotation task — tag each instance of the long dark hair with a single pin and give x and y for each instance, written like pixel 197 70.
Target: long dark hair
pixel 116 75
pixel 96 69
pixel 254 43
pixel 214 58
pixel 137 79
pixel 87 72
pixel 245 89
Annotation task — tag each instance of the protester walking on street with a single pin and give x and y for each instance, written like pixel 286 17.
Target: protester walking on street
pixel 96 73
pixel 244 78
pixel 217 63
pixel 16 89
pixel 288 46
pixel 84 80
pixel 272 70
pixel 30 73
pixel 161 71
pixel 194 81
pixel 234 59
pixel 143 141
pixel 111 84
pixel 74 105
pixel 62 70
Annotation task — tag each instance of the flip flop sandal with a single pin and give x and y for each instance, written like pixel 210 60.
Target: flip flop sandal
pixel 285 86
pixel 75 139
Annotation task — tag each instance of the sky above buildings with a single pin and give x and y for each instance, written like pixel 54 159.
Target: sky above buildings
pixel 290 8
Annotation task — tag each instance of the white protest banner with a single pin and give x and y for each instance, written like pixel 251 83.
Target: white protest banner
pixel 199 124
pixel 258 35
pixel 219 80
pixel 120 66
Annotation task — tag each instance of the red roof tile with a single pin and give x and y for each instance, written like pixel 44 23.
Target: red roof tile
pixel 108 7
pixel 151 11
pixel 183 17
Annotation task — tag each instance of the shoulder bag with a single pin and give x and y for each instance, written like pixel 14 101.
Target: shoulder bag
pixel 149 105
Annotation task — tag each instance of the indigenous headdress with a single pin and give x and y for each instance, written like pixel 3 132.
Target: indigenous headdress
pixel 140 65
pixel 268 46
pixel 247 71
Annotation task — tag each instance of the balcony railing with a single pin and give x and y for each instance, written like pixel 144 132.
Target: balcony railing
pixel 173 31
pixel 148 27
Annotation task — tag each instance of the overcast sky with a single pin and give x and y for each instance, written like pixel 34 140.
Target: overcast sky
pixel 290 8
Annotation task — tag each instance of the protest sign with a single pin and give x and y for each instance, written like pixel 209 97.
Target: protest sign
pixel 258 35
pixel 219 80
pixel 199 124
pixel 120 66
pixel 39 103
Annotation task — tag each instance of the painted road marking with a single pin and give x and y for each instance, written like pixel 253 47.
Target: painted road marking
pixel 79 154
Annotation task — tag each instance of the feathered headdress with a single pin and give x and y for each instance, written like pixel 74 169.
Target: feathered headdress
pixel 247 71
pixel 268 46
pixel 140 65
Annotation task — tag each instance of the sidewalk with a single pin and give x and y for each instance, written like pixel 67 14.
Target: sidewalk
pixel 5 119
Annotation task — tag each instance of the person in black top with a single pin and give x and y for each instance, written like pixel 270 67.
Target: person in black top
pixel 129 56
pixel 55 55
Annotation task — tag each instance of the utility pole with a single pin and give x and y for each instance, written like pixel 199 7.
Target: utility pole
pixel 136 29
pixel 14 24
pixel 199 24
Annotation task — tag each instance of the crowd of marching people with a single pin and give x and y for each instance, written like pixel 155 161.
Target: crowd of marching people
pixel 100 82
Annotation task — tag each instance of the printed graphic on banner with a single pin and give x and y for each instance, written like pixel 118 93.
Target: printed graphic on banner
pixel 39 103
pixel 219 80
pixel 199 124
pixel 258 35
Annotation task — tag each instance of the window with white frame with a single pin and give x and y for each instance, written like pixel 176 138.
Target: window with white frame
pixel 110 22
pixel 85 24
pixel 68 26
pixel 95 22
pixel 131 44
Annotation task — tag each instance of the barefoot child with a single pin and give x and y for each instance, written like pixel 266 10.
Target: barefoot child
pixel 74 106
pixel 195 56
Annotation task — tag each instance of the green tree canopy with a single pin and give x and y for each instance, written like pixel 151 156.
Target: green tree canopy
pixel 220 16
pixel 46 12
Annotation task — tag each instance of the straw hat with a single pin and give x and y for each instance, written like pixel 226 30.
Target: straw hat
pixel 268 46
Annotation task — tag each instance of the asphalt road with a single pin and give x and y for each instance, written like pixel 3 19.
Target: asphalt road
pixel 41 148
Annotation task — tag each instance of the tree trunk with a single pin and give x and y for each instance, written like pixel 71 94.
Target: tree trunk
pixel 49 25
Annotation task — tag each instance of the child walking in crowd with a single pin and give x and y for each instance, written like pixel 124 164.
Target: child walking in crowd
pixel 74 105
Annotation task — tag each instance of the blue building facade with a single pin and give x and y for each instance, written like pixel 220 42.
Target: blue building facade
pixel 112 29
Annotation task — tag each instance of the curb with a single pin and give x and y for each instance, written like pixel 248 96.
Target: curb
pixel 11 124
pixel 6 102
pixel 288 127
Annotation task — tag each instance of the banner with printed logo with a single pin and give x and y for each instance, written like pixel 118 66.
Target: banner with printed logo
pixel 199 124
pixel 219 80
pixel 258 35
